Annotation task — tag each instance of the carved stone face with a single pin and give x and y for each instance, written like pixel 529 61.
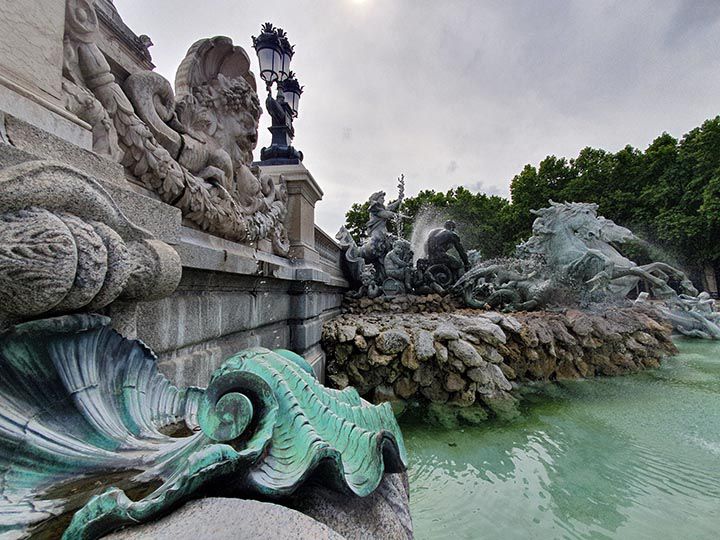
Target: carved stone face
pixel 233 111
pixel 240 136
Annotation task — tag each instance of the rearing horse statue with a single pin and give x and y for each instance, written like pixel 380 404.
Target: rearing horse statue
pixel 577 243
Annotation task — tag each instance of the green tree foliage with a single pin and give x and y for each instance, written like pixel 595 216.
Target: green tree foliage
pixel 669 194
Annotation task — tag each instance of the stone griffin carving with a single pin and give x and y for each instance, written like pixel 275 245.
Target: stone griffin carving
pixel 65 245
pixel 193 151
pixel 93 437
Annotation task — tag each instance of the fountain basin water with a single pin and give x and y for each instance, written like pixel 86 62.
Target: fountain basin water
pixel 624 457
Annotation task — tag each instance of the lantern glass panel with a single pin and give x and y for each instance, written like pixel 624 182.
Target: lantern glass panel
pixel 269 59
pixel 293 99
pixel 285 70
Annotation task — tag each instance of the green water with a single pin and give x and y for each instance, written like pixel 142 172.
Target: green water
pixel 630 457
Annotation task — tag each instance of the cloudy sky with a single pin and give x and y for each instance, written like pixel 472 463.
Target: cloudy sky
pixel 463 92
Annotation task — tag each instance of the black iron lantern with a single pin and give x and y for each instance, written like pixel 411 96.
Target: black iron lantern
pixel 288 51
pixel 270 53
pixel 292 91
pixel 275 53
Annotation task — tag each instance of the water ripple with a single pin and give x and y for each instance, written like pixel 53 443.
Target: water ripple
pixel 629 457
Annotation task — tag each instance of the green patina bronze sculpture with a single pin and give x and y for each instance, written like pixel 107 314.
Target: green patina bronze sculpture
pixel 93 437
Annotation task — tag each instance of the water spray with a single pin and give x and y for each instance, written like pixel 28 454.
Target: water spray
pixel 401 197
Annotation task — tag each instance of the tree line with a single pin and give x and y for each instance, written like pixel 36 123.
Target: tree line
pixel 669 195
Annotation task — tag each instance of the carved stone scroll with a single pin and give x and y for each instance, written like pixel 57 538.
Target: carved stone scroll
pixel 65 245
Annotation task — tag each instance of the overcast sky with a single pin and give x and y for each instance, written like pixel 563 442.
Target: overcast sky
pixel 462 92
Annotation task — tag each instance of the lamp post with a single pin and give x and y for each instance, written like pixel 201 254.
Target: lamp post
pixel 274 53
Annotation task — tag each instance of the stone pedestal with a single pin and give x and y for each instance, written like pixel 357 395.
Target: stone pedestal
pixel 31 58
pixel 303 193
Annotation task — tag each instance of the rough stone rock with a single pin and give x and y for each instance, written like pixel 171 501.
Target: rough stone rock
pixel 385 514
pixel 339 380
pixel 464 398
pixel 645 338
pixel 346 332
pixel 360 343
pixel 389 373
pixel 544 346
pixel 498 378
pixel 479 375
pixel 508 372
pixel 456 365
pixel 485 331
pixel 405 387
pixel 384 393
pixel 378 359
pixel 441 352
pixel 342 352
pixel 424 375
pixel 435 392
pixel 445 332
pixel 454 382
pixel 392 341
pixel 580 322
pixel 502 404
pixel 409 359
pixel 583 368
pixel 650 362
pixel 529 337
pixel 566 370
pixel 465 352
pixel 510 323
pixel 423 341
pixel 369 330
pixel 229 519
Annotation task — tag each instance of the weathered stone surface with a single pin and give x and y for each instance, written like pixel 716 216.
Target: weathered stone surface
pixel 464 398
pixel 424 375
pixel 385 514
pixel 392 341
pixel 484 330
pixel 465 352
pixel 454 382
pixel 510 323
pixel 339 380
pixel 376 358
pixel 445 332
pixel 409 358
pixel 360 343
pixel 229 519
pixel 479 375
pixel 456 365
pixel 435 392
pixel 441 352
pixel 346 332
pixel 491 354
pixel 423 341
pixel 384 393
pixel 369 329
pixel 405 387
pixel 498 378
